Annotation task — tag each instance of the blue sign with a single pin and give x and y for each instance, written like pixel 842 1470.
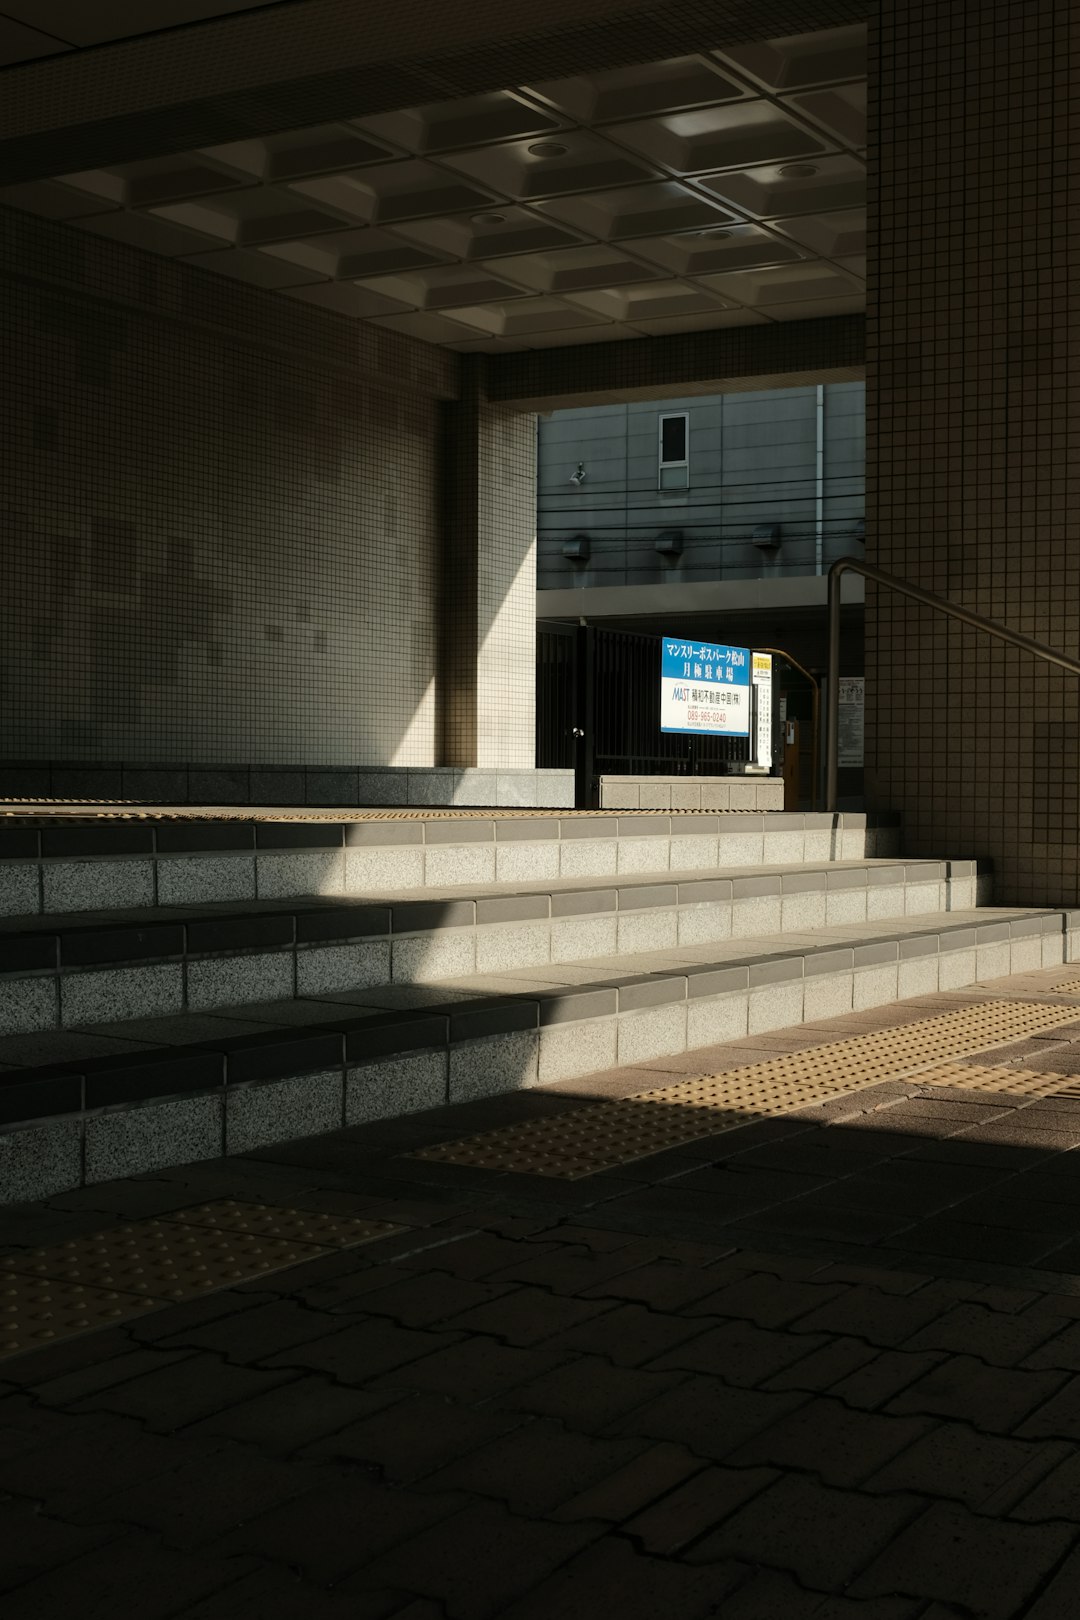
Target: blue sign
pixel 704 688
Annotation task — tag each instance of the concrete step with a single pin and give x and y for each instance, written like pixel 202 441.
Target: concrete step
pixel 131 1096
pixel 61 970
pixel 70 866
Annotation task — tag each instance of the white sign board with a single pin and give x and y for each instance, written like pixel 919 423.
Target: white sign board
pixel 704 688
pixel 850 729
pixel 762 682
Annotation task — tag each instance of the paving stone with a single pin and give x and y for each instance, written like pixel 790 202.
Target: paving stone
pixel 473 1370
pixel 476 1562
pixel 528 1316
pixel 707 1416
pixel 693 1508
pixel 1058 1600
pixel 181 1394
pixel 769 1595
pixel 760 1299
pixel 1060 1416
pixel 204 1498
pixel 588 1393
pixel 821 1535
pixel 423 1299
pixel 95 1377
pixel 628 1334
pixel 824 1367
pixel 90 1457
pixel 993 1398
pixel 883 1375
pixel 132 1575
pixel 823 1437
pixel 983 1471
pixel 882 1319
pixel 32 1544
pixel 989 1566
pixel 255 1334
pixel 341 1527
pixel 661 1287
pixel 569 1270
pixel 413 1437
pixel 992 1336
pixel 478 1255
pixel 356 1351
pixel 536 1467
pixel 612 1578
pixel 277 1594
pixel 296 1413
pixel 645 1478
pixel 739 1353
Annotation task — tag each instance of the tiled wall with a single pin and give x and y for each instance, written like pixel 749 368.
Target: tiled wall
pixel 221 525
pixel 973 433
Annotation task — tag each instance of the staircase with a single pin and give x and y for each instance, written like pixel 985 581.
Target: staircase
pixel 176 988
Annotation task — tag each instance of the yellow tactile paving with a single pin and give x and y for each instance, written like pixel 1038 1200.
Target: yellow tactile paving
pixel 602 1135
pixel 35 1311
pixel 132 810
pixel 289 1225
pixel 1015 1082
pixel 93 1281
pixel 1067 987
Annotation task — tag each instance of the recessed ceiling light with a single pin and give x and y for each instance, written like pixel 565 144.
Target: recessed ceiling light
pixel 716 235
pixel 548 149
pixel 489 219
pixel 798 171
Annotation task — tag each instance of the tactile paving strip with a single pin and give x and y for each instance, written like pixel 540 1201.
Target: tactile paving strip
pixel 93 1281
pixel 136 810
pixel 36 1311
pixel 1014 1082
pixel 289 1225
pixel 601 1135
pixel 1067 987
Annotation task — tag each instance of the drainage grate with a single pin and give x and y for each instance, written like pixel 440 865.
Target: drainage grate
pixel 106 1277
pixel 599 1136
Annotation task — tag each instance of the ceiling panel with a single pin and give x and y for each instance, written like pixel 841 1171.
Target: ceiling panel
pixel 778 190
pixel 736 247
pixel 710 190
pixel 619 216
pixel 720 138
pixel 640 92
pixel 447 126
pixel 800 60
pixel 572 161
pixel 393 191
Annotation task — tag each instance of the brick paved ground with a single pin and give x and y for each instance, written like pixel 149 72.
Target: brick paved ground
pixel 826 1365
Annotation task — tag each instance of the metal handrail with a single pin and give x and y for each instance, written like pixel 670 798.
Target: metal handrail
pixel 853 565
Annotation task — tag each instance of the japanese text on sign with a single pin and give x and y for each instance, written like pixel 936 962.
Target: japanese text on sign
pixel 704 688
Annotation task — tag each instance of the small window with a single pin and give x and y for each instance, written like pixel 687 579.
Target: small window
pixel 675 451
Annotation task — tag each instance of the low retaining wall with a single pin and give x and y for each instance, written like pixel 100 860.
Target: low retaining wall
pixel 691 793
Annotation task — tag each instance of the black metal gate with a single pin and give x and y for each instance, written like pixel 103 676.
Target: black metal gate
pixel 598 711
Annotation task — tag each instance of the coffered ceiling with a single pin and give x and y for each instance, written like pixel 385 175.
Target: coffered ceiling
pixel 719 189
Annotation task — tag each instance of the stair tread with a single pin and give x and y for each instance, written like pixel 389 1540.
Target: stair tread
pixel 146 916
pixel 256 1022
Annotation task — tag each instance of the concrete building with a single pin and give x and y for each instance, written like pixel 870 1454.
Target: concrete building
pixel 281 294
pixel 733 507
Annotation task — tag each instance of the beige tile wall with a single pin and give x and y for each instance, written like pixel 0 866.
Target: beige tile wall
pixel 973 430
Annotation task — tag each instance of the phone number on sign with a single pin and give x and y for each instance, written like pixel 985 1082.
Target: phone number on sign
pixel 716 718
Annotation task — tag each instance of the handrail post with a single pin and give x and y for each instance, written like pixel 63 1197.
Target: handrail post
pixel 832 715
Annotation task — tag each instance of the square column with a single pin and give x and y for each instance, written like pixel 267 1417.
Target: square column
pixel 487 659
pixel 973 431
